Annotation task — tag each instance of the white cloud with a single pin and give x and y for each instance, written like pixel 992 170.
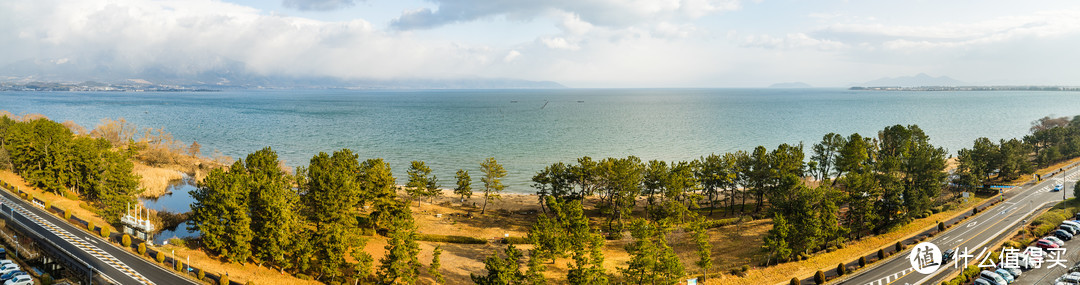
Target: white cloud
pixel 559 43
pixel 594 12
pixel 511 56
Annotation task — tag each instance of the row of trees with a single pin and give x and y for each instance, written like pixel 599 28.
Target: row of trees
pixel 314 221
pixel 1052 140
pixel 49 156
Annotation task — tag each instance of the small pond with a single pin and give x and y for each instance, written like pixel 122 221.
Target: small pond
pixel 176 200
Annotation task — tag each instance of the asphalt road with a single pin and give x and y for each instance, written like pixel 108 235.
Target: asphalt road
pixel 974 234
pixel 105 258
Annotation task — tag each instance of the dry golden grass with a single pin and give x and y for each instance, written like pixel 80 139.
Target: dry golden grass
pixel 155 180
pixel 56 200
pixel 248 272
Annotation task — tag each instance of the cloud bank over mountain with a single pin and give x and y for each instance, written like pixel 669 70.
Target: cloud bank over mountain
pixel 580 43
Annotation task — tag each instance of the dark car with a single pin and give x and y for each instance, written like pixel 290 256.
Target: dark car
pixel 947 255
pixel 1062 234
pixel 1070 228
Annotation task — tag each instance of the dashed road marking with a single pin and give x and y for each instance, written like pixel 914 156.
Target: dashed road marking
pixel 79 242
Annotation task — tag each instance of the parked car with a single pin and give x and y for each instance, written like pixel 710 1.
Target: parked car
pixel 1056 240
pixel 1014 271
pixel 6 261
pixel 12 274
pixel 1069 279
pixel 1045 244
pixel 1005 275
pixel 1074 223
pixel 992 277
pixel 20 280
pixel 1062 234
pixel 981 281
pixel 1074 230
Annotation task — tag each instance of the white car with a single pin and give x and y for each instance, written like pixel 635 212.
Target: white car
pixel 20 280
pixel 8 268
pixel 6 262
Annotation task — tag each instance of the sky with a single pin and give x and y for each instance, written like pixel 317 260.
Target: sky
pixel 579 43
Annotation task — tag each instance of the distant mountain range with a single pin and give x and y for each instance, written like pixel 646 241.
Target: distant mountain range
pixel 921 79
pixel 790 85
pixel 235 75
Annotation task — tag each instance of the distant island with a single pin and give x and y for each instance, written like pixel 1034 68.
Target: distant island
pixel 790 85
pixel 921 79
pixel 968 88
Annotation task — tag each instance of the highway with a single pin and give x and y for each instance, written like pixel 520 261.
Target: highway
pixel 108 260
pixel 976 233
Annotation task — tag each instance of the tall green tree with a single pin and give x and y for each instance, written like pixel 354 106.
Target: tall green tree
pixel 332 195
pixel 400 264
pixel 419 181
pixel 825 155
pixel 435 266
pixel 502 271
pixel 493 174
pixel 220 212
pixel 464 184
pixel 622 181
pixel 273 208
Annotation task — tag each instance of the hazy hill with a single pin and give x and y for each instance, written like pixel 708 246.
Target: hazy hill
pixel 235 75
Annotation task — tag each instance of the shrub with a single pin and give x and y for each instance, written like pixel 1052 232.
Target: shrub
pixel 940 226
pixel 881 254
pixel 899 246
pixel 745 268
pixel 201 274
pixel 142 248
pixel 90 226
pixel 819 277
pixel 515 240
pixel 450 239
pixel 302 276
pixel 794 281
pixel 177 242
pixel 841 270
pixel 126 240
pixel 67 214
pixel 250 283
pixel 48 206
pixel 224 280
pixel 160 257
pixel 862 261
pixel 974 211
pixel 179 265
pixel 105 231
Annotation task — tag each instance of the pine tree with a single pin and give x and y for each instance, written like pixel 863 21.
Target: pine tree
pixel 464 184
pixel 501 271
pixel 273 215
pixel 493 174
pixel 701 238
pixel 332 197
pixel 434 268
pixel 220 212
pixel 776 239
pixel 417 187
pixel 400 264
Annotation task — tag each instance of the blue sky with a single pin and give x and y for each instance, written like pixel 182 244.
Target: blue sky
pixel 580 43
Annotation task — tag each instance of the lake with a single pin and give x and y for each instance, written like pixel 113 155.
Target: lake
pixel 529 129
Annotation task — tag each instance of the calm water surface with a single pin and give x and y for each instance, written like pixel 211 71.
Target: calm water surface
pixel 528 129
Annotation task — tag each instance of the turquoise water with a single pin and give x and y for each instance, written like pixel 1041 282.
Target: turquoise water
pixel 459 128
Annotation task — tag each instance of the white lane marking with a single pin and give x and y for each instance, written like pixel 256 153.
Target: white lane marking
pixel 78 242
